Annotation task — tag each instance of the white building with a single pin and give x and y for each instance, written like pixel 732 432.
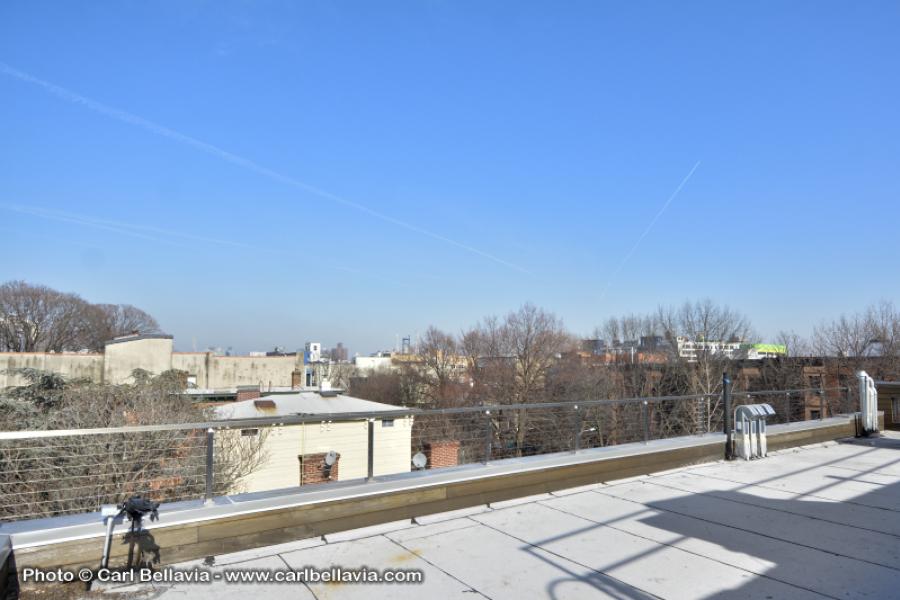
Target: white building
pixel 313 352
pixel 690 350
pixel 286 446
pixel 368 364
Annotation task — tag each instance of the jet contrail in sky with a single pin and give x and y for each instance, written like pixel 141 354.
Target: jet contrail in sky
pixel 240 161
pixel 171 237
pixel 153 234
pixel 647 230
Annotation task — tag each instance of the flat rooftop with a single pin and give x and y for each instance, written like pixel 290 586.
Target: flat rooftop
pixel 814 522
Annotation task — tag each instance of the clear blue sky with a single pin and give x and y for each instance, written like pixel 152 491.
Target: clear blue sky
pixel 287 171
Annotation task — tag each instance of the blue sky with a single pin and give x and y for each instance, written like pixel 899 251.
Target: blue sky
pixel 261 173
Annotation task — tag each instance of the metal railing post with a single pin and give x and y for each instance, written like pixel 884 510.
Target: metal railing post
pixel 645 420
pixel 210 471
pixel 726 402
pixel 488 436
pixel 579 425
pixel 371 453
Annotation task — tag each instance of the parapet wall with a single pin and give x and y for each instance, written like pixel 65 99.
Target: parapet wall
pixel 154 354
pixel 241 524
pixel 216 372
pixel 72 366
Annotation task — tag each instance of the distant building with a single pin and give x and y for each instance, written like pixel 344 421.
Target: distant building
pixel 380 361
pixel 760 351
pixel 338 353
pixel 155 353
pixel 649 349
pixel 657 349
pixel 312 352
pixel 692 350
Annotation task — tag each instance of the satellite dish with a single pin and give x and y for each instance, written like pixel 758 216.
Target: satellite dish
pixel 419 460
pixel 330 458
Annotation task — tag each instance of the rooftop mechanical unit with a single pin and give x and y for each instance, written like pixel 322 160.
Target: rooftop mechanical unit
pixel 750 430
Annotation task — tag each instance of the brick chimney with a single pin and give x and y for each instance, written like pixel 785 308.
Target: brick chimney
pixel 314 470
pixel 443 453
pixel 247 392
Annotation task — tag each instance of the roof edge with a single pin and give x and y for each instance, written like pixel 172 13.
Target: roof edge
pixel 142 336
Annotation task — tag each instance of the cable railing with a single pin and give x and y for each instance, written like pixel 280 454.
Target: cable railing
pixel 59 472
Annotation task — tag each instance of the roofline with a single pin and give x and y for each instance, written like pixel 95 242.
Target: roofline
pixel 143 336
pixel 63 353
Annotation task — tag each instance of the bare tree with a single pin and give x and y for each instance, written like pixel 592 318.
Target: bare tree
pixel 108 321
pixel 707 324
pixel 705 320
pixel 511 360
pixel 339 374
pixel 794 343
pixel 70 474
pixel 439 369
pixel 35 318
pixel 869 338
pixel 492 368
pixel 883 322
pixel 388 387
pixel 846 336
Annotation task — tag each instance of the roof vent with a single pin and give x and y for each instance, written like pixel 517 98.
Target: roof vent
pixel 264 404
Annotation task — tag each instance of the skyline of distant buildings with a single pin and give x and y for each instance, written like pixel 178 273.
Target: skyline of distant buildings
pixel 657 349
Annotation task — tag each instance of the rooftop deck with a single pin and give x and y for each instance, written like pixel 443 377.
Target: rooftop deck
pixel 818 522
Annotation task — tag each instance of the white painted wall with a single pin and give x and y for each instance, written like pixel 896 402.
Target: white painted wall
pixel 284 445
pixel 372 363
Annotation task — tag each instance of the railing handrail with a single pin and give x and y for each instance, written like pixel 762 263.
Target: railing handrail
pixel 298 419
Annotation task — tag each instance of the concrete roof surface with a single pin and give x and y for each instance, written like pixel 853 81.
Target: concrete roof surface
pixel 818 522
pixel 302 403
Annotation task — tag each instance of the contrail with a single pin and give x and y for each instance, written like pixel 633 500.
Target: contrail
pixel 647 230
pixel 78 220
pixel 155 234
pixel 240 161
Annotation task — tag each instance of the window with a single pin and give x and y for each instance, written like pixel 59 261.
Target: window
pixel 249 432
pixel 387 422
pixel 814 414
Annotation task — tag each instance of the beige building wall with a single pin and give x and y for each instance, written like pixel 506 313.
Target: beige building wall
pixel 73 366
pixel 215 372
pixel 153 354
pixel 230 371
pixel 284 445
pixel 194 363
